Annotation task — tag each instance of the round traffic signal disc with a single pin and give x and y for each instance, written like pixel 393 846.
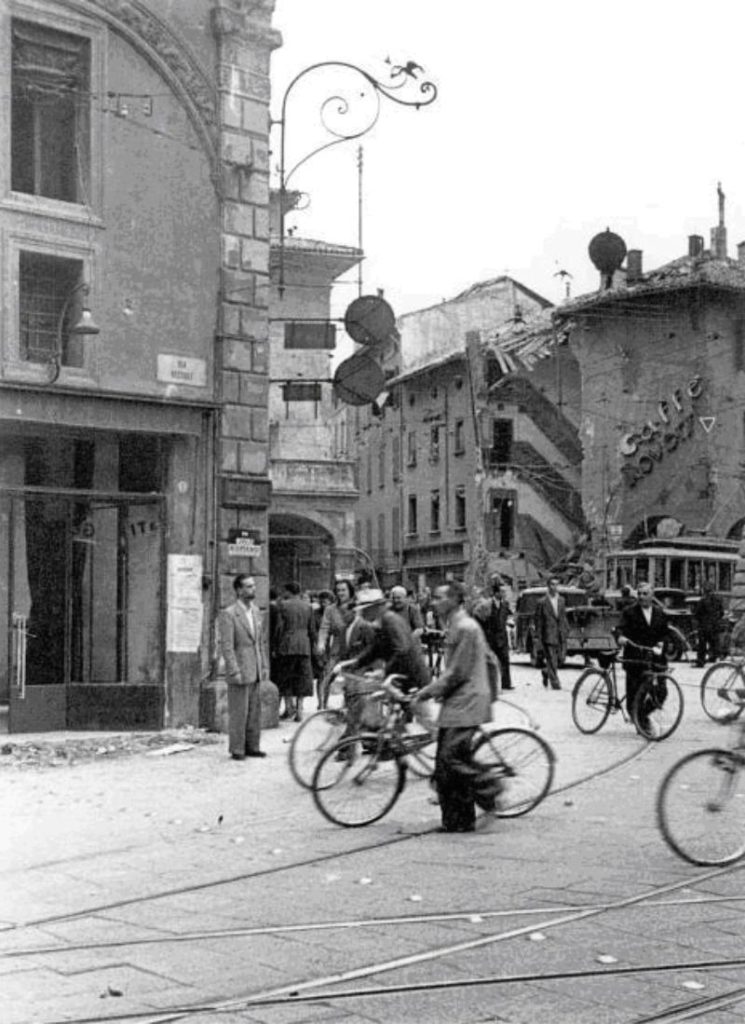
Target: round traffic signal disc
pixel 358 380
pixel 369 320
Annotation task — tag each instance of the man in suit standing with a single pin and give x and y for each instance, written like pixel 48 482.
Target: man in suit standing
pixel 493 614
pixel 242 647
pixel 463 688
pixel 551 630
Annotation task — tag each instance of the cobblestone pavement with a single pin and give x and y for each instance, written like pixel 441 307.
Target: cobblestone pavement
pixel 115 869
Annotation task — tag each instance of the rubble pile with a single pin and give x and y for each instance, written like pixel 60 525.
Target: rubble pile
pixel 56 753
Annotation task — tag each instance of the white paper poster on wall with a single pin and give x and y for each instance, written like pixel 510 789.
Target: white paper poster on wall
pixel 184 596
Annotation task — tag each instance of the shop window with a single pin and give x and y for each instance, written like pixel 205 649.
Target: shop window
pixel 411 448
pixel 412 523
pixel 434 512
pixel 48 307
pixel 459 443
pixel 50 113
pixel 140 464
pixel 460 508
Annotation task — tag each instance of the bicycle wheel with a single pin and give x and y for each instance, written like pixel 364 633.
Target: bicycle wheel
pixel 591 700
pixel 312 739
pixel 357 781
pixel 521 766
pixel 701 807
pixel 422 759
pixel 722 689
pixel 657 708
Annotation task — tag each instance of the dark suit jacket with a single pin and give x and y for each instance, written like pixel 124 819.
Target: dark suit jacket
pixel 295 632
pixel 634 626
pixel 393 643
pixel 493 621
pixel 551 630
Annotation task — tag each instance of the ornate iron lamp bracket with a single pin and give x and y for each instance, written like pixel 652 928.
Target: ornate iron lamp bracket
pixel 336 114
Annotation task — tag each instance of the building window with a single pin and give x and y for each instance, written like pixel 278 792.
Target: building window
pixel 381 466
pixel 434 512
pixel 369 471
pixel 502 437
pixel 395 531
pixel 357 534
pixel 459 444
pixel 412 524
pixel 411 449
pixel 500 521
pixel 49 307
pixel 460 507
pixel 381 536
pixel 369 532
pixel 50 113
pixel 396 459
pixel 434 444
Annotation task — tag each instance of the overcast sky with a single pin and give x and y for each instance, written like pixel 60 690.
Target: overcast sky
pixel 553 121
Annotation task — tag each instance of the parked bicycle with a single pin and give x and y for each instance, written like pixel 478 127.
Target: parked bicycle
pixel 359 780
pixel 719 686
pixel 658 704
pixel 700 801
pixel 364 712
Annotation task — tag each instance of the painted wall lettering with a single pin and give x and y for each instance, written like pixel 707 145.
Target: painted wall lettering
pixel 646 446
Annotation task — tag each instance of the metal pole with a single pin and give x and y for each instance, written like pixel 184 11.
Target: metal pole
pixel 360 162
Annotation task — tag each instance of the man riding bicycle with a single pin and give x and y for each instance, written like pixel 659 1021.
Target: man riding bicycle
pixel 393 644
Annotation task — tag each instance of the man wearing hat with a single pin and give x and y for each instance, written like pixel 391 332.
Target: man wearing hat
pixel 392 642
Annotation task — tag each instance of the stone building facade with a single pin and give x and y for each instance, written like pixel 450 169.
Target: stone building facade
pixel 472 464
pixel 314 486
pixel 662 360
pixel 135 183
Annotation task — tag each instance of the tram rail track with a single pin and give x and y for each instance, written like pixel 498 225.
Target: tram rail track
pixel 334 988
pixel 323 988
pixel 276 869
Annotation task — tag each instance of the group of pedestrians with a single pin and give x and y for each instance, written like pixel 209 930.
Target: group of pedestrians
pixel 353 630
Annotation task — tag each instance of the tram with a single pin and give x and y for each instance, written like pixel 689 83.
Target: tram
pixel 680 563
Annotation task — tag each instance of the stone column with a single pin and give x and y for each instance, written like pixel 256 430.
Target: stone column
pixel 245 40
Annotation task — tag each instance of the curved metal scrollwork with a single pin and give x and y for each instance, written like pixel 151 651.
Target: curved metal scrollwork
pixel 348 115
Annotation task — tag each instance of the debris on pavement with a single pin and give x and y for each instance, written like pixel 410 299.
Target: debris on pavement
pixel 174 748
pixel 56 752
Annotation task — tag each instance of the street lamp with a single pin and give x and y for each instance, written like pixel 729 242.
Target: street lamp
pixel 85 326
pixel 404 87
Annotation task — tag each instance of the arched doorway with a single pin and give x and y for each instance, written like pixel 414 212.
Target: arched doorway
pixel 299 549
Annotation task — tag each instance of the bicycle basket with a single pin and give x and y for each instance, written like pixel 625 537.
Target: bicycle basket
pixel 365 713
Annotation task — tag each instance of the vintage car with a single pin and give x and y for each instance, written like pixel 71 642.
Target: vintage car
pixel 596 623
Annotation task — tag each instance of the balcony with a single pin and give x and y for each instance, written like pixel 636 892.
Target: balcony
pixel 307 476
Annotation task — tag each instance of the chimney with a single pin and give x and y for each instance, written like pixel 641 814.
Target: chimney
pixel 633 266
pixel 741 254
pixel 719 242
pixel 695 246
